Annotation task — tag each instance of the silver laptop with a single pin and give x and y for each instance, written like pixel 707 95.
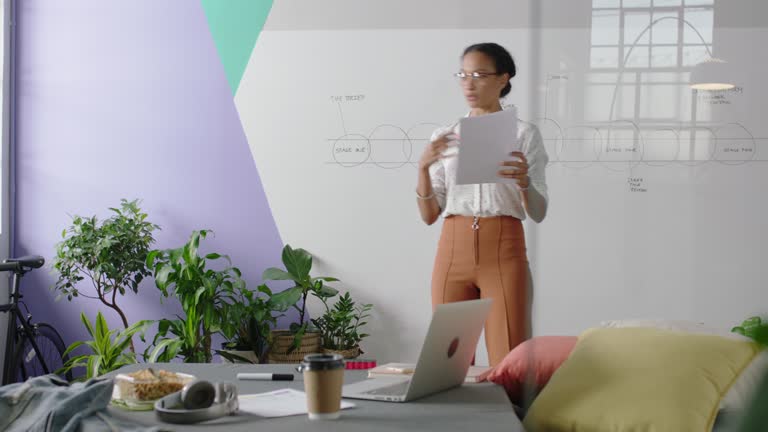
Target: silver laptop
pixel 444 360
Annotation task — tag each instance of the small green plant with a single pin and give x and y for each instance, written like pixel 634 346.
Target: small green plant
pixel 754 328
pixel 110 255
pixel 755 417
pixel 298 264
pixel 177 338
pixel 109 348
pixel 203 293
pixel 248 323
pixel 340 325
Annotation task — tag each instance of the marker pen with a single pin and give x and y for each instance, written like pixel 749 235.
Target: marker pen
pixel 265 376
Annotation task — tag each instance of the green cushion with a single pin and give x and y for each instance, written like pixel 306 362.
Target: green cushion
pixel 640 379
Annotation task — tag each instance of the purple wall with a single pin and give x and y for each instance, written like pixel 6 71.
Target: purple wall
pixel 129 100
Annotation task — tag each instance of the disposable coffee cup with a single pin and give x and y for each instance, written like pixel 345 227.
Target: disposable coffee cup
pixel 323 378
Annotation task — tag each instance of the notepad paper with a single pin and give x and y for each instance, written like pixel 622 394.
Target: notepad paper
pixel 278 403
pixel 485 142
pixel 394 369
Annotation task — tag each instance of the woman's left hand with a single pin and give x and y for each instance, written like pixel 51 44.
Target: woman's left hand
pixel 516 169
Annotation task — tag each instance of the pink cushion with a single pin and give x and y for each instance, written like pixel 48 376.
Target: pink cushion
pixel 532 362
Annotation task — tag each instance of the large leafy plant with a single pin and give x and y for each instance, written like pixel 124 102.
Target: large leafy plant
pixel 298 264
pixel 340 325
pixel 108 348
pixel 203 293
pixel 111 255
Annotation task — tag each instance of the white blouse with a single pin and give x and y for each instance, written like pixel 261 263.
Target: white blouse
pixel 490 199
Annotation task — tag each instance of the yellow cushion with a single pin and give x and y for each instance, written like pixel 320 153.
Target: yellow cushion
pixel 640 379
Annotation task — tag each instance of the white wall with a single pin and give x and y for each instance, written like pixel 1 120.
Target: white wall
pixel 687 247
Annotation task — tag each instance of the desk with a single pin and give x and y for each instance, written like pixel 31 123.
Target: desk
pixel 481 406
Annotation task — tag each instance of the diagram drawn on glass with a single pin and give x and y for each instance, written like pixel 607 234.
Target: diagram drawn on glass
pixel 616 145
pixel 386 146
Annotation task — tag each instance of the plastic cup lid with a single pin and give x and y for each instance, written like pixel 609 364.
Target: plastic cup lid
pixel 322 362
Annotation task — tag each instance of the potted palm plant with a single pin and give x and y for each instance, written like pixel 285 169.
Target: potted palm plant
pixel 203 293
pixel 291 345
pixel 109 349
pixel 340 326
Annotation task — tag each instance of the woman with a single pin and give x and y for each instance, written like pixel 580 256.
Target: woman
pixel 481 253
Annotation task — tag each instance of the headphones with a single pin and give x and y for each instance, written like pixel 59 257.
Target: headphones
pixel 198 401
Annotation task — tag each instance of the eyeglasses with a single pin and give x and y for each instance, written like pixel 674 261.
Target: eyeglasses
pixel 475 76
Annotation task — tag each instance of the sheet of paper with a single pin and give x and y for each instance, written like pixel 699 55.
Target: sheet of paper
pixel 486 140
pixel 395 368
pixel 278 403
pixel 474 373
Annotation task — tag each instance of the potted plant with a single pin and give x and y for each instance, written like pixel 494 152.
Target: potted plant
pixel 340 326
pixel 247 327
pixel 290 346
pixel 203 293
pixel 753 328
pixel 755 417
pixel 110 255
pixel 109 348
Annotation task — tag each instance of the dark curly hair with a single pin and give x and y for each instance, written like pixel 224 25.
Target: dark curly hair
pixel 501 58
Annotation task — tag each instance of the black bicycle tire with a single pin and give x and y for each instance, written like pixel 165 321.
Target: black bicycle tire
pixel 42 330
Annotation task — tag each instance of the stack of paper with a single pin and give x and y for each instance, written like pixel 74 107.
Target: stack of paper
pixel 278 403
pixel 391 369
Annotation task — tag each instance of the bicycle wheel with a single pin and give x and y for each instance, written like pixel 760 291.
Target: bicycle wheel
pixel 27 363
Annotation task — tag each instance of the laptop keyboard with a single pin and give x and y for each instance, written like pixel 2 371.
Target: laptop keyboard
pixel 391 390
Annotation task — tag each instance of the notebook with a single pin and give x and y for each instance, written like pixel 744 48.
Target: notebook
pixel 397 369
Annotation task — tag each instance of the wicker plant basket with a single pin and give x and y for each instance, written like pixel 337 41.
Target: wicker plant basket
pixel 347 354
pixel 282 340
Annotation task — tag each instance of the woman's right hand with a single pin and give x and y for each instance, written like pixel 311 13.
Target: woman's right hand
pixel 434 150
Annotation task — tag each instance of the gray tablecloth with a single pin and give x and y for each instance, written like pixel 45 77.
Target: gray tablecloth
pixel 482 406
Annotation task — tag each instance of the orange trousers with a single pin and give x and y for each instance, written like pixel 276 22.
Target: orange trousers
pixel 486 258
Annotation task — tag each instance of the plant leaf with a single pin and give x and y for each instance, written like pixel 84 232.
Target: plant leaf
pixel 75 345
pixel 326 291
pixel 264 289
pixel 161 277
pixel 87 323
pixel 234 358
pixel 102 330
pixel 285 299
pixel 277 274
pixel 326 279
pixel 298 263
pixel 166 350
pixel 297 337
